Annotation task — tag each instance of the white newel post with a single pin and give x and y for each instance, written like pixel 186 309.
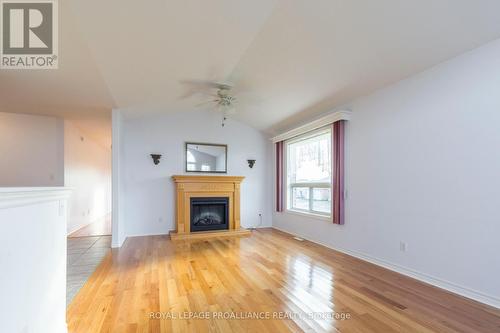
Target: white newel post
pixel 33 260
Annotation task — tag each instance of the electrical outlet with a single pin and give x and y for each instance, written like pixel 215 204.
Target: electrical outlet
pixel 403 247
pixel 160 219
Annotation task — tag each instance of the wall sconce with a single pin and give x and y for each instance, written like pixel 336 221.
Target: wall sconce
pixel 251 163
pixel 156 158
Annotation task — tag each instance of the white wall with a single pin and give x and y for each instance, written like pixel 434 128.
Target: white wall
pixel 88 172
pixel 33 259
pixel 31 150
pixel 423 167
pixel 148 188
pixel 118 182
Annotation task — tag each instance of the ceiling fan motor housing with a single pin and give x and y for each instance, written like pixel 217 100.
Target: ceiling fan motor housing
pixel 224 98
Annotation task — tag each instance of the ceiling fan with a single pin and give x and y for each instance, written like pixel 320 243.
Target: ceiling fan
pixel 223 100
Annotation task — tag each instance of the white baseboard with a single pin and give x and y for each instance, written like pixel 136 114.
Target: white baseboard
pixel 429 279
pixel 117 244
pixel 257 227
pixel 83 225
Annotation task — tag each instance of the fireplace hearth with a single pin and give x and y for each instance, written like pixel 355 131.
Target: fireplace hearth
pixel 209 213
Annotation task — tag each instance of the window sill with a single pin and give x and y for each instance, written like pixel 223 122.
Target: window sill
pixel 310 215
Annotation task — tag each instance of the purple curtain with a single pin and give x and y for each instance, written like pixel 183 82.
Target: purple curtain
pixel 279 176
pixel 338 172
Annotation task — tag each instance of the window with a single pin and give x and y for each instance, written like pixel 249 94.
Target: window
pixel 308 173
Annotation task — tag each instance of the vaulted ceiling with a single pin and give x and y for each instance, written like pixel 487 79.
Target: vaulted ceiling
pixel 292 58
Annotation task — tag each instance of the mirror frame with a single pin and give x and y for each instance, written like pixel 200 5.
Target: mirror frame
pixel 203 144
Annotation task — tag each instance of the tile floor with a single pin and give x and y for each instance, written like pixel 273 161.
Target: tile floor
pixel 84 255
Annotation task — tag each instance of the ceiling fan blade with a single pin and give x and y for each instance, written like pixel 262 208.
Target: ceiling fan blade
pixel 188 94
pixel 194 93
pixel 205 103
pixel 225 86
pixel 247 96
pixel 207 84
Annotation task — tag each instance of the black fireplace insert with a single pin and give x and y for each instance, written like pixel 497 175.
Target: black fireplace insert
pixel 211 213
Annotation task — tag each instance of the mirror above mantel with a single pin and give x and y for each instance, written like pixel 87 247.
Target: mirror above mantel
pixel 206 157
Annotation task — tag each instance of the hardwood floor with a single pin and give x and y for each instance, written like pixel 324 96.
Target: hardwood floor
pixel 101 227
pixel 267 274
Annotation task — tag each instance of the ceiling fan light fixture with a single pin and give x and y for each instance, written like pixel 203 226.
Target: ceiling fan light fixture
pixel 224 101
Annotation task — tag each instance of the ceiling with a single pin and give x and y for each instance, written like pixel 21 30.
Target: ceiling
pixel 75 91
pixel 293 59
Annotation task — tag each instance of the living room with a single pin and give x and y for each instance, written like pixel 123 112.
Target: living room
pixel 231 166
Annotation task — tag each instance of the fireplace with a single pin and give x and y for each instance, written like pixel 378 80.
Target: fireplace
pixel 211 213
pixel 220 193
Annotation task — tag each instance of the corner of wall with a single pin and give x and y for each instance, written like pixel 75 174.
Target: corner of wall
pixel 117 218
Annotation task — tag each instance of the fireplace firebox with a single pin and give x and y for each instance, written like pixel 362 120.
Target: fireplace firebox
pixel 211 213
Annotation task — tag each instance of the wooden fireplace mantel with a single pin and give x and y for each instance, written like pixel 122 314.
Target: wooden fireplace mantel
pixel 190 186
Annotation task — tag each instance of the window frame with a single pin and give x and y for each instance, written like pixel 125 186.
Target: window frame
pixel 312 185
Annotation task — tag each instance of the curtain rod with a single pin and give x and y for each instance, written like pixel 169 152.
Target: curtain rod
pixel 315 124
